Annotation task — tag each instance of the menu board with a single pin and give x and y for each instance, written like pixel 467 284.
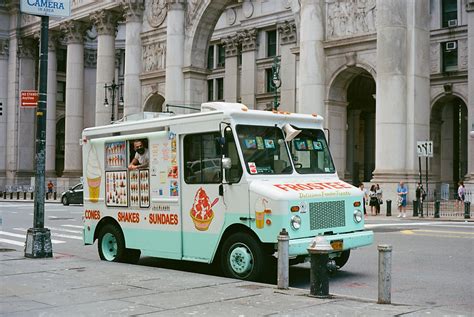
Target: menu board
pixel 134 189
pixel 116 189
pixel 144 188
pixel 115 155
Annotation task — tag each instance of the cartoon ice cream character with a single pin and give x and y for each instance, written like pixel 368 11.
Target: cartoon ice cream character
pixel 94 175
pixel 201 211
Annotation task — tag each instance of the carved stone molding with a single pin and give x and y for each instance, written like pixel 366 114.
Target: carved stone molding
pixel 154 56
pixel 90 58
pixel 231 44
pixel 348 18
pixel 27 48
pixel 133 10
pixel 118 58
pixel 73 31
pixel 248 39
pixel 53 40
pixel 469 5
pixel 351 59
pixel 287 32
pixel 4 47
pixel 192 7
pixel 434 58
pixel 105 22
pixel 231 16
pixel 463 57
pixel 247 8
pixel 156 12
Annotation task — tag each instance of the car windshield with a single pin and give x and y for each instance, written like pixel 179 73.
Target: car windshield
pixel 310 152
pixel 264 150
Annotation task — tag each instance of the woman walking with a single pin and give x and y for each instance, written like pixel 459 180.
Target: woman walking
pixel 374 201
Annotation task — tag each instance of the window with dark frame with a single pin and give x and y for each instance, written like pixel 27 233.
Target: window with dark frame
pixel 210 90
pixel 269 80
pixel 450 56
pixel 220 55
pixel 271 43
pixel 449 13
pixel 220 88
pixel 210 57
pixel 202 159
pixel 61 58
pixel 61 91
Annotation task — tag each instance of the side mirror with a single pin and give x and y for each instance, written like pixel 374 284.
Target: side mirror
pixel 226 163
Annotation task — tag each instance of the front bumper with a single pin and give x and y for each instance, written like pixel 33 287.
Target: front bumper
pixel 350 241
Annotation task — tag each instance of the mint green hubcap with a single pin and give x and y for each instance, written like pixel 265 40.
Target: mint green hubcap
pixel 109 247
pixel 241 260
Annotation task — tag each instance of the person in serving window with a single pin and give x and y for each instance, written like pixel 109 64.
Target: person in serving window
pixel 141 158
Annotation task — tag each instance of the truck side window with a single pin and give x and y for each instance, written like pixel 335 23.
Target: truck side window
pixel 234 174
pixel 202 158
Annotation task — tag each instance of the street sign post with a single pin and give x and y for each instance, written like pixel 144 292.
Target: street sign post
pixel 424 149
pixel 38 238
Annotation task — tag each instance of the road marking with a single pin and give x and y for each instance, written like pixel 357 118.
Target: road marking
pixel 55 234
pixel 23 236
pixel 21 244
pixel 73 226
pixel 449 232
pixel 409 224
pixel 447 235
pixel 65 230
pixel 15 205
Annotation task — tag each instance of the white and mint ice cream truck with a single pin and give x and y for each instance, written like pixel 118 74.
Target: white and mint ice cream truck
pixel 217 185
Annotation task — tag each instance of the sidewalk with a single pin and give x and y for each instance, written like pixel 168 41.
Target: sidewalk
pixel 73 286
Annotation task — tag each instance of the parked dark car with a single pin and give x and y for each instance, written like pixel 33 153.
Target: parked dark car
pixel 73 196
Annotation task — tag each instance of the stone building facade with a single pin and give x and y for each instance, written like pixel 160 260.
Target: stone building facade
pixel 384 74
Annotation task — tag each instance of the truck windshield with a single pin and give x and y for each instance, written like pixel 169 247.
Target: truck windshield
pixel 264 150
pixel 310 152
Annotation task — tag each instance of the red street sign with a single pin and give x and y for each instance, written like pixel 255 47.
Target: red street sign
pixel 29 98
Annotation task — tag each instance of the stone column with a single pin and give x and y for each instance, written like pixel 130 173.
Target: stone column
pixel 249 68
pixel 470 79
pixel 418 79
pixel 74 32
pixel 337 122
pixel 312 60
pixel 231 79
pixel 51 106
pixel 391 126
pixel 105 23
pixel 12 106
pixel 28 53
pixel 133 56
pixel 174 91
pixel 3 100
pixel 287 33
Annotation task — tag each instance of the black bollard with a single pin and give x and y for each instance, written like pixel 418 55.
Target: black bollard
pixel 31 195
pixel 389 208
pixel 415 208
pixel 24 195
pixel 436 211
pixel 54 195
pixel 467 210
pixel 17 195
pixel 11 195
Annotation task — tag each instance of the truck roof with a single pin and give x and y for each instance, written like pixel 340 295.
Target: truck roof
pixel 237 111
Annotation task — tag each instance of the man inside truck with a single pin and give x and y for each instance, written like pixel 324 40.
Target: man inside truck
pixel 141 157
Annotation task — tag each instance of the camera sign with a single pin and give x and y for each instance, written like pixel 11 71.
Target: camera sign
pixel 424 148
pixel 53 8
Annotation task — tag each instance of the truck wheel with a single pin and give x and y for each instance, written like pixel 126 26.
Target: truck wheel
pixel 111 244
pixel 65 201
pixel 242 257
pixel 343 258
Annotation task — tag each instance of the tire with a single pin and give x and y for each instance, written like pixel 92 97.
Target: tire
pixel 65 201
pixel 242 257
pixel 343 258
pixel 132 256
pixel 111 244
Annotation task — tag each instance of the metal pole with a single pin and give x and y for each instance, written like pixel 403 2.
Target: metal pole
pixel 38 238
pixel 283 260
pixel 426 178
pixel 385 273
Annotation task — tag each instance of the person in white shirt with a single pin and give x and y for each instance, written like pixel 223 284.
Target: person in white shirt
pixel 142 156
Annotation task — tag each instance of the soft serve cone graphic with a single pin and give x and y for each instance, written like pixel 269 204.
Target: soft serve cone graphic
pixel 94 175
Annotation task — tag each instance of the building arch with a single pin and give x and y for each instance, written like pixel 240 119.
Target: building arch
pixel 154 103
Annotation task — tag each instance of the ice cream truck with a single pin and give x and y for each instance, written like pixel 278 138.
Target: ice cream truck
pixel 217 186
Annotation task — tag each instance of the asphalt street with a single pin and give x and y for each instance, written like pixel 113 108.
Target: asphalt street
pixel 431 259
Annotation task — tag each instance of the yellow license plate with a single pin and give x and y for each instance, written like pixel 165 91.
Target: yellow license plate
pixel 337 245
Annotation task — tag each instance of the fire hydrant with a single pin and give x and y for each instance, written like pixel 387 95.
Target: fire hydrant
pixel 319 250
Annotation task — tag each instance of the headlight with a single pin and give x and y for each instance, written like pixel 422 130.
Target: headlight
pixel 357 215
pixel 295 222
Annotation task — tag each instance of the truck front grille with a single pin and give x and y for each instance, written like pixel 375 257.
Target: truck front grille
pixel 328 214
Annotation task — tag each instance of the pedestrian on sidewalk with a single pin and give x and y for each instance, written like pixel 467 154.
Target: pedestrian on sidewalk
pixel 379 193
pixel 364 197
pixel 461 195
pixel 50 188
pixel 402 192
pixel 374 201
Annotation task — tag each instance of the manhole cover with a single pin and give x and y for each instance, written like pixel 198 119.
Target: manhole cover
pixel 6 250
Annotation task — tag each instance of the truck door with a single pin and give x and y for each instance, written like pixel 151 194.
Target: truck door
pixel 202 207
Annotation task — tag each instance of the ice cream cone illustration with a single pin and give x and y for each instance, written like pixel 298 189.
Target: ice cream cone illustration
pixel 201 211
pixel 94 175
